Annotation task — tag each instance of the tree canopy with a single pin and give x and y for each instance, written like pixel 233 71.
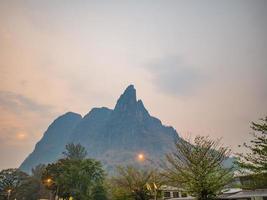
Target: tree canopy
pixel 19 185
pixel 135 184
pixel 254 163
pixel 75 176
pixel 75 151
pixel 10 181
pixel 198 168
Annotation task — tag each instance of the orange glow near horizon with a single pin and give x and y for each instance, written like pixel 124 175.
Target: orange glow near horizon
pixel 21 136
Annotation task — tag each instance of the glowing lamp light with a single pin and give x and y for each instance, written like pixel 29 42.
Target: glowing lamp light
pixel 141 157
pixel 49 180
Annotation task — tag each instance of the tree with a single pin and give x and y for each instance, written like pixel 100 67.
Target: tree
pixel 99 192
pixel 254 163
pixel 51 177
pixel 10 181
pixel 133 183
pixel 29 190
pixel 38 171
pixel 75 176
pixel 19 185
pixel 75 151
pixel 198 168
pixel 35 181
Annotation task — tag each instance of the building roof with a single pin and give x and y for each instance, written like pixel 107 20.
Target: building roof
pixel 183 198
pixel 168 187
pixel 232 190
pixel 249 193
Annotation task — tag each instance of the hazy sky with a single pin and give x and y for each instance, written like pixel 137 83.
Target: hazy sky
pixel 200 66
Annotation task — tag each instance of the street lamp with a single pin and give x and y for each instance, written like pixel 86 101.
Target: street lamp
pixel 141 157
pixel 48 181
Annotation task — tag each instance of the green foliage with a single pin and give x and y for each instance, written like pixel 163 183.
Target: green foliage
pixel 10 181
pixel 21 185
pixel 99 193
pixel 135 184
pixel 198 168
pixel 35 181
pixel 75 151
pixel 254 163
pixel 118 193
pixel 28 190
pixel 74 176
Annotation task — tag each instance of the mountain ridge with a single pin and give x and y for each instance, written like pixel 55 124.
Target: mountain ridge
pixel 50 151
pixel 113 136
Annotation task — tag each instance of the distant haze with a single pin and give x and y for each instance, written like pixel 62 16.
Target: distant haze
pixel 200 66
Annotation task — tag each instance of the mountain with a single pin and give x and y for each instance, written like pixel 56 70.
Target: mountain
pixel 113 136
pixel 50 147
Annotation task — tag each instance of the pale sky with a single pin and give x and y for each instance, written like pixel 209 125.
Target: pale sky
pixel 200 66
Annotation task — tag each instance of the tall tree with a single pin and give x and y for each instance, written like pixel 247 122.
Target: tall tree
pixel 254 162
pixel 136 184
pixel 75 176
pixel 199 168
pixel 75 151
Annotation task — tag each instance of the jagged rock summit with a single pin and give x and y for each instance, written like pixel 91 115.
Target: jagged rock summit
pixel 112 136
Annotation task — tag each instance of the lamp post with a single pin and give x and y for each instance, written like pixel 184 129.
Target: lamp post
pixel 57 192
pixel 8 193
pixel 49 182
pixel 142 158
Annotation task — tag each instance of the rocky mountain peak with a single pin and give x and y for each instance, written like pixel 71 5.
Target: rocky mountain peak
pixel 112 136
pixel 127 100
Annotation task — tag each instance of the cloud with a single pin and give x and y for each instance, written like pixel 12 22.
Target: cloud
pixel 173 77
pixel 13 135
pixel 19 104
pixel 20 115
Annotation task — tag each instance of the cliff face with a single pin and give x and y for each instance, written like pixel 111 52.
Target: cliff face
pixel 112 136
pixel 52 144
